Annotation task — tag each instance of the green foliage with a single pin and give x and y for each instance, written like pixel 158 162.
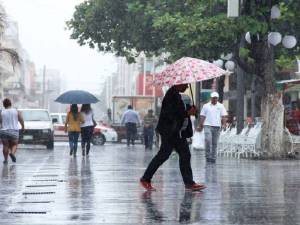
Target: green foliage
pixel 244 53
pixel 285 63
pixel 180 27
pixel 115 26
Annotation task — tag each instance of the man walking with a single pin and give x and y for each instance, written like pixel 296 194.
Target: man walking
pixel 174 126
pixel 131 120
pixel 149 124
pixel 212 118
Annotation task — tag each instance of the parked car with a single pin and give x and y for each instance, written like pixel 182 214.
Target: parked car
pixel 38 128
pixel 104 133
pixel 101 133
pixel 58 120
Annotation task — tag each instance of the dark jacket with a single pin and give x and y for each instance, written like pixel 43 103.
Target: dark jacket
pixel 172 115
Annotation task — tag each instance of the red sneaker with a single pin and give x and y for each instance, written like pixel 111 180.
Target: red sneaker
pixel 147 185
pixel 195 187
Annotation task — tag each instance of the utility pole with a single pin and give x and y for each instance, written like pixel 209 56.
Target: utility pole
pixel 235 10
pixel 144 77
pixel 44 87
pixel 240 99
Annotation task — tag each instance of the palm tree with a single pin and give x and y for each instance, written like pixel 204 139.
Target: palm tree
pixel 13 54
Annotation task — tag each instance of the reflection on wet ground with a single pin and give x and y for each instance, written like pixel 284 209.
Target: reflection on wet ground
pixel 50 187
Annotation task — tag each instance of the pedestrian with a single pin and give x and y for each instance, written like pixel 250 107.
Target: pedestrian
pixel 87 128
pixel 72 126
pixel 131 120
pixel 149 124
pixel 174 126
pixel 212 119
pixel 10 130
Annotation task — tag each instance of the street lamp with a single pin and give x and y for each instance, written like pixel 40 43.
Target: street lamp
pixel 274 38
pixel 233 8
pixel 289 41
pixel 229 65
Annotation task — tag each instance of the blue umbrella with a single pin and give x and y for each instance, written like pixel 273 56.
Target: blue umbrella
pixel 77 97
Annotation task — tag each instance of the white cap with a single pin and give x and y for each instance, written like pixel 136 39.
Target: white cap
pixel 214 95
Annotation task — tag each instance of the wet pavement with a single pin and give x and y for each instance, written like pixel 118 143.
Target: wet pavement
pixel 50 187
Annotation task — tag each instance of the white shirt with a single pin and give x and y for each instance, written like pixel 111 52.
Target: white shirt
pixel 88 119
pixel 9 119
pixel 213 114
pixel 130 116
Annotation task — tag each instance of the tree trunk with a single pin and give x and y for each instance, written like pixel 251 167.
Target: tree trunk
pixel 272 130
pixel 272 109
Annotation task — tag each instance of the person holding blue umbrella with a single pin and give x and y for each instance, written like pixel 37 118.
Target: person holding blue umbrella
pixel 87 128
pixel 72 126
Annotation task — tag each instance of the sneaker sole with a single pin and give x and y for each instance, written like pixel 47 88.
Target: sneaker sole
pixel 196 189
pixel 148 189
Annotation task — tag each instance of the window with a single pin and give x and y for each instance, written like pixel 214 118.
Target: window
pixel 55 117
pixel 35 115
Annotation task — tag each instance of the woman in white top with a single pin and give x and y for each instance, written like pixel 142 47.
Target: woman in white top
pixel 87 128
pixel 10 130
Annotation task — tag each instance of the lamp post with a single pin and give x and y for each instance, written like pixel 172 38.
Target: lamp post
pixel 261 53
pixel 223 62
pixel 274 38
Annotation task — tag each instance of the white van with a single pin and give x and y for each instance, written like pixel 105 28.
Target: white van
pixel 59 120
pixel 38 127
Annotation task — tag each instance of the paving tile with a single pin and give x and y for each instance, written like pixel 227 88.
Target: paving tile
pixel 50 187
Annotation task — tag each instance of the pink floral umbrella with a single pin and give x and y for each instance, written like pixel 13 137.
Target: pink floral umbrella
pixel 188 70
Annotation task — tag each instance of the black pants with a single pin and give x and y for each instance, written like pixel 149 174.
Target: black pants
pixel 148 137
pixel 86 136
pixel 130 133
pixel 182 148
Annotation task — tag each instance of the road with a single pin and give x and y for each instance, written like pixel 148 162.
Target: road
pixel 50 187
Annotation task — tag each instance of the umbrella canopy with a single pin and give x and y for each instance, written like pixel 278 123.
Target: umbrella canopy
pixel 77 97
pixel 188 70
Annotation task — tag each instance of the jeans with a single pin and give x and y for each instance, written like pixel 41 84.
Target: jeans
pixel 73 141
pixel 148 137
pixel 130 132
pixel 182 148
pixel 211 140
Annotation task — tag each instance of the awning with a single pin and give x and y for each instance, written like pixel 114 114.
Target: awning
pixel 288 85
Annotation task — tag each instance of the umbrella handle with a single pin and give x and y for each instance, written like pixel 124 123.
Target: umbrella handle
pixel 196 116
pixel 192 94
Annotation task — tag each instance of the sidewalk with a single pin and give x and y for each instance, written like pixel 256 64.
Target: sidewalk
pixel 49 187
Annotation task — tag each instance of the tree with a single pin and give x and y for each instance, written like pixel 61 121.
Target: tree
pixel 198 29
pixel 15 57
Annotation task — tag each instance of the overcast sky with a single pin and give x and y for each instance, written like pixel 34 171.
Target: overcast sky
pixel 42 33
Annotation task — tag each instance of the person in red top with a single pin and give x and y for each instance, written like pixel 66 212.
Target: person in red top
pixel 294 122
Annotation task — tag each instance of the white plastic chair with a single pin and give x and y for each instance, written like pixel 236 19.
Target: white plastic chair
pixel 222 137
pixel 294 140
pixel 251 142
pixel 226 141
pixel 237 142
